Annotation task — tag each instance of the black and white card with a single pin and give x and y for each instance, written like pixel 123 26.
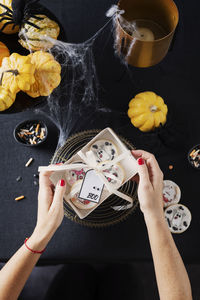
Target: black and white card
pixel 92 187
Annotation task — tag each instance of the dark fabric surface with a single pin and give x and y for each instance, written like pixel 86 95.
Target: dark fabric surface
pixel 44 279
pixel 175 79
pixel 115 281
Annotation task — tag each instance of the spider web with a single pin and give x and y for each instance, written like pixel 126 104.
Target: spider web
pixel 75 102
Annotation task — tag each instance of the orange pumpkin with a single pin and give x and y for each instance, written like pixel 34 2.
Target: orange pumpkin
pixel 4 52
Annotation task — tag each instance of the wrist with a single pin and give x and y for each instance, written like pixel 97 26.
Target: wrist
pixel 38 240
pixel 154 216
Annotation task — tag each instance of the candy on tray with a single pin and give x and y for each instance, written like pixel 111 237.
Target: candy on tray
pixel 178 218
pixel 171 193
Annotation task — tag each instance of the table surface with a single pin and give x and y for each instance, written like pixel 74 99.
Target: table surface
pixel 176 79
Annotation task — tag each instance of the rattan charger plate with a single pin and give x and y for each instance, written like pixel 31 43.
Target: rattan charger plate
pixel 104 215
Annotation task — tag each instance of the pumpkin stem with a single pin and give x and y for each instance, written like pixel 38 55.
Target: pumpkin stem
pixel 153 108
pixel 15 73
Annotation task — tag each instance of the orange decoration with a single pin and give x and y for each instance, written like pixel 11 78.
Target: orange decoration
pixel 4 52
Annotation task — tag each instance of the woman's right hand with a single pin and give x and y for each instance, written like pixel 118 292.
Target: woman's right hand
pixel 150 184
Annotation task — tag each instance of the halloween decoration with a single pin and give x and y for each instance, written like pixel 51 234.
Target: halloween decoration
pixel 30 18
pixel 147 111
pixel 7 24
pixel 6 98
pixel 4 52
pixel 47 74
pixel 17 73
pixel 36 37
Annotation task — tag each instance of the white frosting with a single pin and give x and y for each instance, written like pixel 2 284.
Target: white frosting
pixel 116 172
pixel 171 193
pixel 178 218
pixel 74 175
pixel 104 150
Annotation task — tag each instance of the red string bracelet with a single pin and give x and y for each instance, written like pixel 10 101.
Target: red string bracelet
pixel 34 251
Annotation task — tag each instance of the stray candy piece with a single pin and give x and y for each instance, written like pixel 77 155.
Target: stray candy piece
pixel 35 182
pixel 171 167
pixel 19 178
pixel 19 198
pixel 29 162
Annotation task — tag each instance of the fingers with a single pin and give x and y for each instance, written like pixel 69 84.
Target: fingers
pixel 143 172
pixel 58 195
pixel 149 157
pixel 44 178
pixel 151 162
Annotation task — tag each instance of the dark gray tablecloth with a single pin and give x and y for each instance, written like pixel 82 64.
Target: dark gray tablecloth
pixel 176 79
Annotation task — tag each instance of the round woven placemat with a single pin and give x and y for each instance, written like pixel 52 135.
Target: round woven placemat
pixel 104 215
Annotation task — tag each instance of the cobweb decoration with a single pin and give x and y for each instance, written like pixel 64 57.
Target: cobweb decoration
pixel 75 102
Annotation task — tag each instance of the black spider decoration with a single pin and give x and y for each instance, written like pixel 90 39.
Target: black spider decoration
pixel 21 12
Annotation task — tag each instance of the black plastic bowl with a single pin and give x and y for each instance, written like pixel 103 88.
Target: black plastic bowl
pixel 189 158
pixel 29 123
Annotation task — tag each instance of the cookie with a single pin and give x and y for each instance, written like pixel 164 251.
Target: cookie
pixel 171 193
pixel 104 150
pixel 114 170
pixel 80 203
pixel 74 175
pixel 178 218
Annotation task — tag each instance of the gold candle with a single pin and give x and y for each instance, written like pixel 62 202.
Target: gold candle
pixel 153 24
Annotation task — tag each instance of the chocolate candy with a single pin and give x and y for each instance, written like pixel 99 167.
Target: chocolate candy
pixel 178 218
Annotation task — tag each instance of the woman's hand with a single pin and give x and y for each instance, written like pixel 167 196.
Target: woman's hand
pixel 150 184
pixel 50 209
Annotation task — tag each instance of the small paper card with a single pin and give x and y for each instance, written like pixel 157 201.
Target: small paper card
pixel 92 187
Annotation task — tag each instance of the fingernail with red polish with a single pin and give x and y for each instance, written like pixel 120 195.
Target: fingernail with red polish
pixel 58 164
pixel 62 182
pixel 140 161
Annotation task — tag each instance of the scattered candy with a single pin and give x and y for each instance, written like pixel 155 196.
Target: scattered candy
pixel 29 162
pixel 19 198
pixel 19 178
